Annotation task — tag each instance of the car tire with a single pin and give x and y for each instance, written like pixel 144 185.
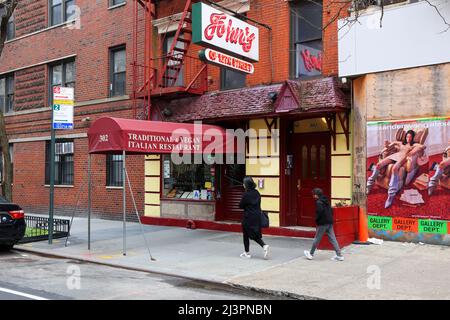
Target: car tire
pixel 6 247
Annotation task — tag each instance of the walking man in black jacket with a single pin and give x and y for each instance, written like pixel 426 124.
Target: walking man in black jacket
pixel 324 221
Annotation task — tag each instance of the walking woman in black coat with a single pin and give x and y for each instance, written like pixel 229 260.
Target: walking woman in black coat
pixel 251 222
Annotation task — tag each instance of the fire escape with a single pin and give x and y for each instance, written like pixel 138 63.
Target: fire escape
pixel 171 74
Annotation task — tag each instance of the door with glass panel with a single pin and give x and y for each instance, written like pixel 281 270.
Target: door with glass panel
pixel 312 167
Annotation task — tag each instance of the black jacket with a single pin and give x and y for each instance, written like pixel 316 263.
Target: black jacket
pixel 324 212
pixel 251 221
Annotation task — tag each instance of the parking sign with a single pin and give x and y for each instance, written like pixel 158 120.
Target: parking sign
pixel 63 102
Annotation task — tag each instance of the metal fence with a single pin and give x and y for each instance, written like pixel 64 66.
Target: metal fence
pixel 37 228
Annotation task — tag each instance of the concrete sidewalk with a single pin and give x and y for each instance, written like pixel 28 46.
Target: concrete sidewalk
pixel 406 271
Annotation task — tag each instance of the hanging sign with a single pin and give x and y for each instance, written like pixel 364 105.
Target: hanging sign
pixel 224 60
pixel 216 29
pixel 63 101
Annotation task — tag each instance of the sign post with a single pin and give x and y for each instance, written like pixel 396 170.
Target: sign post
pixel 62 118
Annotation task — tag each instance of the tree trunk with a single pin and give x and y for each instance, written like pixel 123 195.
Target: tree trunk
pixel 7 165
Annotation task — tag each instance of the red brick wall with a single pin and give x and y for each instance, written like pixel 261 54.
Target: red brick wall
pixel 101 29
pixel 30 16
pixel 31 88
pixel 332 11
pixel 275 14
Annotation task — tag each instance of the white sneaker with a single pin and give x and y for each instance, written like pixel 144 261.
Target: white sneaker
pixel 308 255
pixel 266 251
pixel 337 258
pixel 245 255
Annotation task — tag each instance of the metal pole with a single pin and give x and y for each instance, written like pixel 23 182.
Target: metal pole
pixel 124 204
pixel 52 183
pixel 89 202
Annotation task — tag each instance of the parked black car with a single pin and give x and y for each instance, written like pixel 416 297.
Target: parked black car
pixel 12 224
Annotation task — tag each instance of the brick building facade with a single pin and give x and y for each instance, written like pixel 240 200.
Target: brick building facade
pixel 39 47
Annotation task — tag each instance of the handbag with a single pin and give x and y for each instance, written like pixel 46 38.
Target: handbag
pixel 264 219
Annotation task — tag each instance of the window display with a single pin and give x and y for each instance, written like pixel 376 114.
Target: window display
pixel 187 181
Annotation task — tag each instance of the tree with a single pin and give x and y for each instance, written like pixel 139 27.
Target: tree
pixel 6 10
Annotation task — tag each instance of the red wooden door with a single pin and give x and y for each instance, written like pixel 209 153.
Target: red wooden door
pixel 312 169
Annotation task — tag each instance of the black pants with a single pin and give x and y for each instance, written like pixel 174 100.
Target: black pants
pixel 247 241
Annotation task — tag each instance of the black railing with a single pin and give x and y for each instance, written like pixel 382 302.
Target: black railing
pixel 37 228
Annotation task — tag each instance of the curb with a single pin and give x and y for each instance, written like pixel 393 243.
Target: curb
pixel 225 283
pixel 277 293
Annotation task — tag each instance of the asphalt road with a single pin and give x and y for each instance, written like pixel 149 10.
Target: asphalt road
pixel 27 276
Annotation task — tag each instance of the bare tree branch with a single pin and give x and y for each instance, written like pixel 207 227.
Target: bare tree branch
pixel 439 13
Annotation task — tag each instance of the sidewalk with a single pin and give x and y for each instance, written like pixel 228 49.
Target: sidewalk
pixel 407 271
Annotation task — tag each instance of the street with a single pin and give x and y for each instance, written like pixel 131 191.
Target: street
pixel 27 276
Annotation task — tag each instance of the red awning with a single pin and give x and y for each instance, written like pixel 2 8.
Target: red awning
pixel 114 135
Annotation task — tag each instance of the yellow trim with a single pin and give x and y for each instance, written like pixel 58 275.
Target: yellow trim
pixel 153 211
pixel 153 168
pixel 152 157
pixel 271 186
pixel 263 167
pixel 341 145
pixel 152 198
pixel 274 219
pixel 152 184
pixel 270 204
pixel 341 166
pixel 341 187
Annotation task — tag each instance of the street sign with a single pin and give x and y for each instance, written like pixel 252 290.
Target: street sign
pixel 63 102
pixel 224 60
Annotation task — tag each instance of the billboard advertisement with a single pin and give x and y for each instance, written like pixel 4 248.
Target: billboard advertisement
pixel 408 177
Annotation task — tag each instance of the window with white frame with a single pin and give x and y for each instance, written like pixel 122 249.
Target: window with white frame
pixel 118 60
pixel 60 11
pixel 7 93
pixel 64 158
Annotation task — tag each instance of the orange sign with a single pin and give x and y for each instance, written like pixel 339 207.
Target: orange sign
pixel 405 224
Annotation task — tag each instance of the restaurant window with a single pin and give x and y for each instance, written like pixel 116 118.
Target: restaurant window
pixel 63 162
pixel 63 75
pixel 7 94
pixel 117 71
pixel 231 79
pixel 187 181
pixel 306 33
pixel 60 11
pixel 11 29
pixel 114 170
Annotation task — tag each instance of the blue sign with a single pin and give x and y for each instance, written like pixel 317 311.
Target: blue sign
pixel 63 126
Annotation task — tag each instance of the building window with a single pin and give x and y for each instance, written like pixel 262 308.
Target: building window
pixel 60 11
pixel 63 162
pixel 7 94
pixel 230 79
pixel 116 2
pixel 11 29
pixel 306 28
pixel 62 75
pixel 187 181
pixel 114 170
pixel 175 68
pixel 118 71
